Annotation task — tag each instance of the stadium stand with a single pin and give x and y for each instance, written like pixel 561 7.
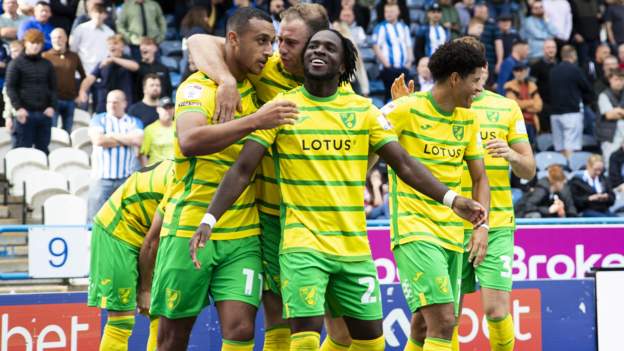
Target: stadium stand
pixel 64 209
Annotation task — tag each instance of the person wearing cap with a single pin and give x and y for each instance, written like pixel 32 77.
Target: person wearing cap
pixel 146 108
pixel 508 33
pixel 519 54
pixel 524 91
pixel 432 35
pixel 158 137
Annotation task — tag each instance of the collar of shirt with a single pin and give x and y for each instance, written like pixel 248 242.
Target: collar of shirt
pixel 593 182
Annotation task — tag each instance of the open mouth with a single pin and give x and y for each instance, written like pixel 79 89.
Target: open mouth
pixel 318 62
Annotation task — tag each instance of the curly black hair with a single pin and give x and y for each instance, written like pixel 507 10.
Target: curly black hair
pixel 349 58
pixel 455 56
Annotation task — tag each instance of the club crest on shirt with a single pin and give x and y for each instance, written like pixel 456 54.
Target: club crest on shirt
pixel 348 119
pixel 124 295
pixel 193 91
pixel 443 284
pixel 173 298
pixel 458 132
pixel 492 116
pixel 308 295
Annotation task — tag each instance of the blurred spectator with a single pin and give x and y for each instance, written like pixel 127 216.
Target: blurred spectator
pixel 559 15
pixel 450 18
pixel 196 21
pixel 83 14
pixel 114 72
pixel 158 139
pixel 380 8
pixel 31 86
pixel 26 7
pixel 490 39
pixel 536 30
pixel 499 7
pixel 551 197
pixel 475 29
pixel 356 32
pixel 115 137
pixel 609 127
pixel 10 20
pixel 541 71
pixel 392 46
pixel 63 13
pixel 66 66
pixel 88 40
pixel 614 22
pixel 16 48
pixel 621 56
pixel 138 19
pixel 146 108
pixel 592 191
pixel 4 62
pixel 432 35
pixel 424 80
pixel 616 169
pixel 525 93
pixel 375 201
pixel 275 9
pixel 508 33
pixel 360 80
pixel 464 10
pixel 40 22
pixel 149 65
pixel 594 67
pixel 519 54
pixel 609 65
pixel 568 89
pixel 585 28
pixel 362 13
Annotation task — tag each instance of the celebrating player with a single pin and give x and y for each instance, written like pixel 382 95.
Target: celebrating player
pixel 231 271
pixel 117 236
pixel 320 165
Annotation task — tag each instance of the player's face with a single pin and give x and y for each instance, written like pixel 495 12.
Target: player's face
pixel 255 45
pixel 292 40
pixel 324 56
pixel 468 88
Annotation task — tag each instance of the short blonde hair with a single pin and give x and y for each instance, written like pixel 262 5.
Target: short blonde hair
pixel 116 38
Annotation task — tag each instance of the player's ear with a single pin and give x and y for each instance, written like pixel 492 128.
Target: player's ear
pixel 232 38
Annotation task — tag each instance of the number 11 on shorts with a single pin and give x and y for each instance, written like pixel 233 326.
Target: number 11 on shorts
pixel 249 280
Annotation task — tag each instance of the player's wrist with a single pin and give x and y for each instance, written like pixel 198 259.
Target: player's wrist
pixel 449 198
pixel 484 226
pixel 209 220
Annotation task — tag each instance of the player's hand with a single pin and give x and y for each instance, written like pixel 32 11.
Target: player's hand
pixel 400 89
pixel 198 241
pixel 21 115
pixel 469 210
pixel 275 114
pixel 49 112
pixel 228 101
pixel 499 148
pixel 478 246
pixel 143 301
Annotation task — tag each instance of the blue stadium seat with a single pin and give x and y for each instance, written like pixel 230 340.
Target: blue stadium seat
pixel 578 160
pixel 367 55
pixel 547 158
pixel 376 87
pixel 372 70
pixel 170 62
pixel 544 142
pixel 171 48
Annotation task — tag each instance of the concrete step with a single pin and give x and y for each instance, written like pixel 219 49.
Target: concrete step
pixel 4 211
pixel 13 264
pixel 11 221
pixel 29 289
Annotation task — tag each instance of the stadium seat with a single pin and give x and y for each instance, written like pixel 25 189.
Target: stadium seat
pixel 20 162
pixel 372 70
pixel 80 140
pixel 40 185
pixel 547 158
pixel 82 118
pixel 589 141
pixel 544 142
pixel 171 48
pixel 578 160
pixel 59 138
pixel 64 209
pixel 6 143
pixel 68 160
pixel 79 183
pixel 367 55
pixel 171 63
pixel 619 202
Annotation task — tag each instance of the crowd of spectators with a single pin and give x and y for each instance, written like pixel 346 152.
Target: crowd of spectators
pixel 561 60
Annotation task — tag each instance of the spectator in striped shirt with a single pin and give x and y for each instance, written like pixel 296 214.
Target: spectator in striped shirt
pixel 116 138
pixel 433 34
pixel 392 47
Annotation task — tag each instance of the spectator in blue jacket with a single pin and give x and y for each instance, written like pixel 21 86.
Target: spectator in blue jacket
pixel 40 22
pixel 519 54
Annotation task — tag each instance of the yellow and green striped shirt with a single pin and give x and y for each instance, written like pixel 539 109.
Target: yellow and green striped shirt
pixel 441 141
pixel 128 213
pixel 499 118
pixel 320 166
pixel 197 178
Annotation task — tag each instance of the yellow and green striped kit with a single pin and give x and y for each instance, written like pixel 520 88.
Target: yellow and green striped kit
pixel 197 178
pixel 320 166
pixel 499 118
pixel 127 215
pixel 441 141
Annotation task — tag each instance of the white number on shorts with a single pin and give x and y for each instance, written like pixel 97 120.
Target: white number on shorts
pixel 506 272
pixel 370 287
pixel 260 277
pixel 249 278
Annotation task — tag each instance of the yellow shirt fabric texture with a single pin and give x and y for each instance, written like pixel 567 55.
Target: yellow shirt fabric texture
pixel 197 177
pixel 320 165
pixel 441 141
